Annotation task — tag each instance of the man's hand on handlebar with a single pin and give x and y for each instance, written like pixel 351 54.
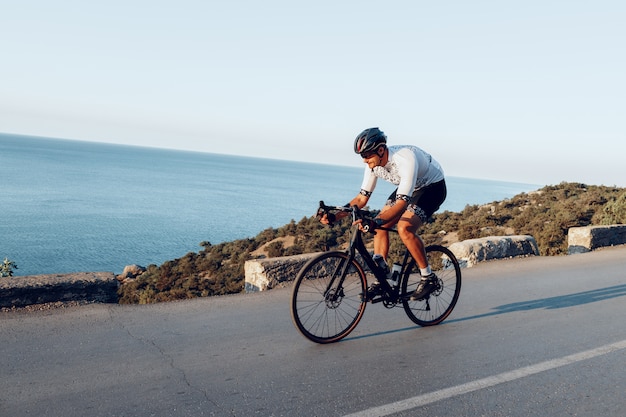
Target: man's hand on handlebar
pixel 327 218
pixel 368 225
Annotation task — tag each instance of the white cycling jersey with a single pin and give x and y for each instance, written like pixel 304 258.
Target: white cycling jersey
pixel 409 167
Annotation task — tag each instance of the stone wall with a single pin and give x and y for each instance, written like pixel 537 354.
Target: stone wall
pixel 585 239
pixel 265 274
pixel 268 273
pixel 470 252
pixel 40 289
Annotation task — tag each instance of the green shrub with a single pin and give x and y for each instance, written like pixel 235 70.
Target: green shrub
pixel 614 211
pixel 7 267
pixel 545 214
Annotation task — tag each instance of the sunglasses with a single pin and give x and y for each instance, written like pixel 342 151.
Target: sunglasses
pixel 367 155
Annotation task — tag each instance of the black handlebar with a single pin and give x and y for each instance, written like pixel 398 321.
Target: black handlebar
pixel 357 213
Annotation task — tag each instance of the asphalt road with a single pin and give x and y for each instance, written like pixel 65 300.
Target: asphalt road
pixel 529 337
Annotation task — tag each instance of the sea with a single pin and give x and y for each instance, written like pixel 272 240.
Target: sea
pixel 76 206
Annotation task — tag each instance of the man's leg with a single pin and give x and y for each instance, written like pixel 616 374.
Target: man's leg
pixel 407 227
pixel 381 238
pixel 381 243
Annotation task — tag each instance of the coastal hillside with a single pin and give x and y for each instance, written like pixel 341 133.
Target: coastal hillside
pixel 546 214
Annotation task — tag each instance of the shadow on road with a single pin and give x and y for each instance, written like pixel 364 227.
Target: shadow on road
pixel 549 303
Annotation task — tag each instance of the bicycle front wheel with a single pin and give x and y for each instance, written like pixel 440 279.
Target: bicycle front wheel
pixel 439 304
pixel 326 306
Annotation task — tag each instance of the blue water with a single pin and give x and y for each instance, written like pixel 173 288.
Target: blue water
pixel 70 206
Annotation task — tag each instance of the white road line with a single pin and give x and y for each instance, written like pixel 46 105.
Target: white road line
pixel 424 399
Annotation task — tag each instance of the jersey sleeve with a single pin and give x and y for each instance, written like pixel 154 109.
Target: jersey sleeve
pixel 369 181
pixel 408 167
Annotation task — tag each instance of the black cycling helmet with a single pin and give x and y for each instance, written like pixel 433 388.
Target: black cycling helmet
pixel 369 140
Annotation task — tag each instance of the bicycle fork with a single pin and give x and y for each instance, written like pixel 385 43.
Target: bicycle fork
pixel 334 294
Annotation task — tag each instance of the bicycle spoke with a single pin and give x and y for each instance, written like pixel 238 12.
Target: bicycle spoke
pixel 326 308
pixel 440 303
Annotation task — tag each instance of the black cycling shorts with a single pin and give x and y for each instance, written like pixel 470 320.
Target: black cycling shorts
pixel 425 201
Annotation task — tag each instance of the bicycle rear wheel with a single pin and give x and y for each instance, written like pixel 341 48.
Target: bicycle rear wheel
pixel 325 308
pixel 440 303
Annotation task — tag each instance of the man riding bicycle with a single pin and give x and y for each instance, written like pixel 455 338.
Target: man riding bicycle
pixel 421 189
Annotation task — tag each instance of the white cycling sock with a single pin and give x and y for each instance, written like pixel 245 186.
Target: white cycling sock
pixel 426 271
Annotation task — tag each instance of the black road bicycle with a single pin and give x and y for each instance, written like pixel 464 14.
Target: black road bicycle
pixel 330 291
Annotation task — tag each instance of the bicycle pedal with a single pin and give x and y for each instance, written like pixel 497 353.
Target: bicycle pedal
pixel 377 299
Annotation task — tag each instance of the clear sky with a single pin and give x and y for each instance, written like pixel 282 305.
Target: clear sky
pixel 526 91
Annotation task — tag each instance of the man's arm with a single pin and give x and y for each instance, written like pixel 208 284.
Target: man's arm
pixel 360 201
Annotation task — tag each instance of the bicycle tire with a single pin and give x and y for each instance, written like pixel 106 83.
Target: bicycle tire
pixel 322 314
pixel 439 304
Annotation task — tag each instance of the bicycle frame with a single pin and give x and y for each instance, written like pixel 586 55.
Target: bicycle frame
pixel 357 245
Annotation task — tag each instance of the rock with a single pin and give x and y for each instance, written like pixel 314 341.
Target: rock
pixel 131 272
pixel 588 238
pixel 470 252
